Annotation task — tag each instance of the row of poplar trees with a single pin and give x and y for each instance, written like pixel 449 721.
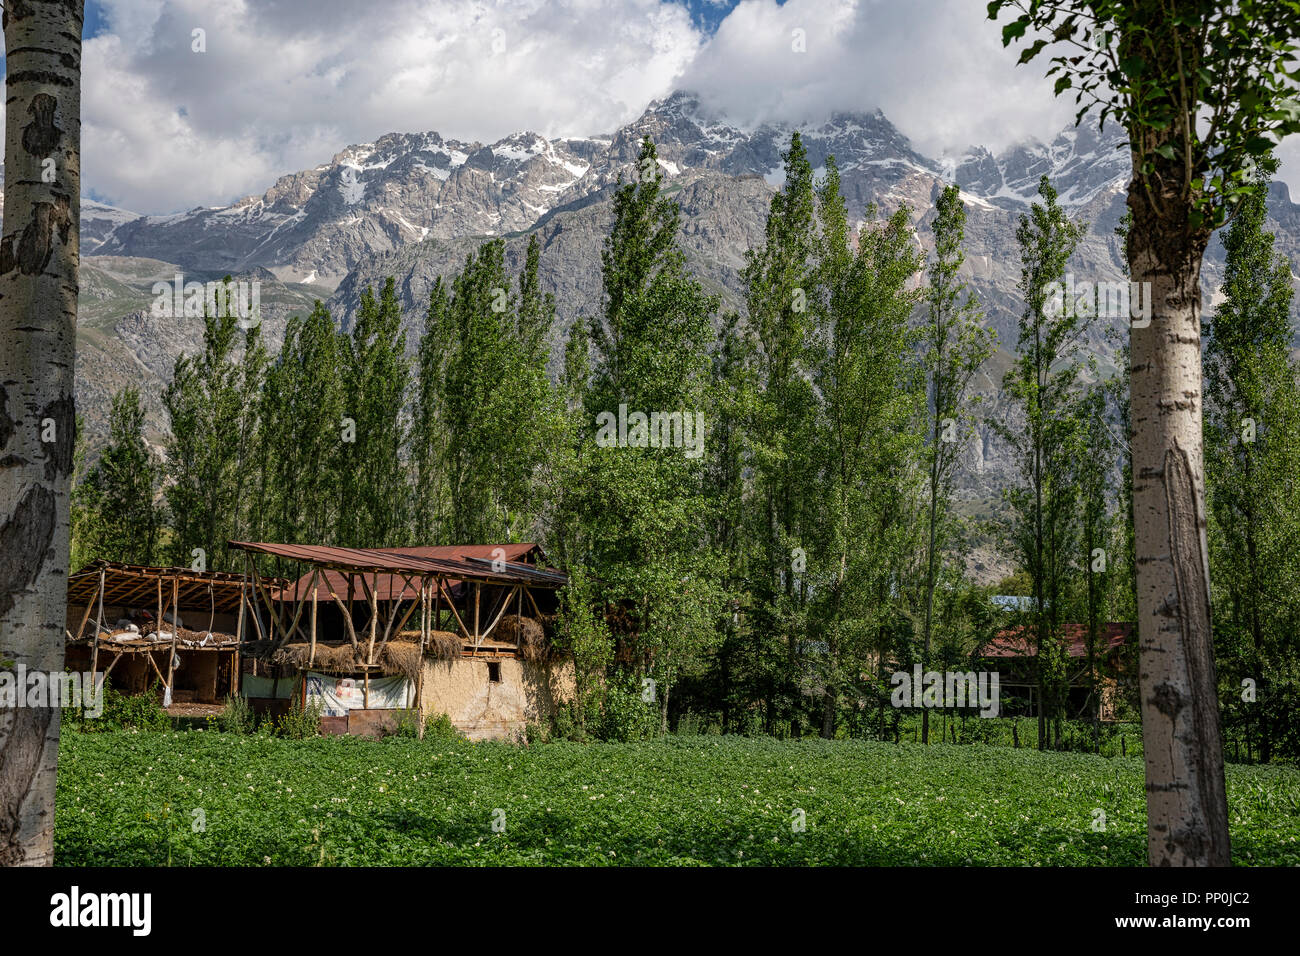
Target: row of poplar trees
pixel 772 581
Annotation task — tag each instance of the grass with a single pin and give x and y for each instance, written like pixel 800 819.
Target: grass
pixel 206 798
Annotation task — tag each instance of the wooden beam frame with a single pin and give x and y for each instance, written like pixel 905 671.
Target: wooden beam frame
pixel 505 603
pixel 442 588
pixel 374 626
pixel 171 658
pixel 81 629
pixel 347 616
pixel 293 625
pixel 533 602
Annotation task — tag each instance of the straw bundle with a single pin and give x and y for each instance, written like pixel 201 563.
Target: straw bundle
pixel 186 634
pixel 444 645
pixel 298 656
pixel 528 634
pixel 402 657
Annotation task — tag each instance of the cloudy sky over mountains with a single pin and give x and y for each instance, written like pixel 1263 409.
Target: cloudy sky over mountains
pixel 285 84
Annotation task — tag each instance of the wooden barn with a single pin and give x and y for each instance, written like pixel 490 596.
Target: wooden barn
pixel 369 633
pixel 173 627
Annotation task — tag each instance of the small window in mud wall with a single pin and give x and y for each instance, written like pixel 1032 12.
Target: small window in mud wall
pixel 494 672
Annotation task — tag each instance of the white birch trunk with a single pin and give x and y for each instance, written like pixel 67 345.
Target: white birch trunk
pixel 38 312
pixel 1187 813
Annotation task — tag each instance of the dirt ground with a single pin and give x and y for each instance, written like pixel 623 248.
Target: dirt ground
pixel 191 709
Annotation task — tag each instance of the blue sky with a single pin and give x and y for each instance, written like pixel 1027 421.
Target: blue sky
pixel 95 22
pixel 707 14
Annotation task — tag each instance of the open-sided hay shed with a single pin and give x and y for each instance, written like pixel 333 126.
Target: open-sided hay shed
pixel 141 626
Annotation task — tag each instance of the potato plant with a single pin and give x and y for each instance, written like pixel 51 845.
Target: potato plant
pixel 212 799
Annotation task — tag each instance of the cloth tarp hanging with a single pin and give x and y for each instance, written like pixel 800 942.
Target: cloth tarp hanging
pixel 338 695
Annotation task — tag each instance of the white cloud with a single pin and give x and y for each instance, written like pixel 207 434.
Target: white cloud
pixel 285 84
pixel 935 67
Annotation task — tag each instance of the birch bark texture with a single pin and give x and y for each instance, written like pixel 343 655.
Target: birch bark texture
pixel 39 258
pixel 1187 806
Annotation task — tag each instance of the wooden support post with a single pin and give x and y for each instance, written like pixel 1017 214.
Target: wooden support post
pixel 347 616
pixel 252 612
pixel 94 653
pixel 84 618
pixel 374 624
pixel 478 590
pixel 171 659
pixel 424 643
pixel 452 605
pixel 311 654
pixel 154 664
pixel 395 604
pixel 533 602
pixel 519 618
pixel 505 603
pixel 252 604
pixel 117 656
pixel 297 615
pixel 405 617
pixel 239 640
pixel 271 612
pixel 347 612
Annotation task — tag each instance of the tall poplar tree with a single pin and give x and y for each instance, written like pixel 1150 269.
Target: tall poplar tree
pixel 1252 457
pixel 781 290
pixel 1040 428
pixel 300 447
pixel 373 504
pixel 1204 89
pixel 499 414
pixel 867 443
pixel 431 429
pixel 956 346
pixel 646 527
pixel 211 402
pixel 122 487
pixel 39 259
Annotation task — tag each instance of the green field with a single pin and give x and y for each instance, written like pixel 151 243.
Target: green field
pixel 130 798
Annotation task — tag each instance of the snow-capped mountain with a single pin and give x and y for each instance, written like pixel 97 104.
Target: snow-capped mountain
pixel 1080 162
pixel 315 225
pixel 375 198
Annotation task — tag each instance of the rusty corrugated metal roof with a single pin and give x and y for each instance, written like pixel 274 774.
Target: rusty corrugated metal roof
pixel 455 563
pixel 1015 641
